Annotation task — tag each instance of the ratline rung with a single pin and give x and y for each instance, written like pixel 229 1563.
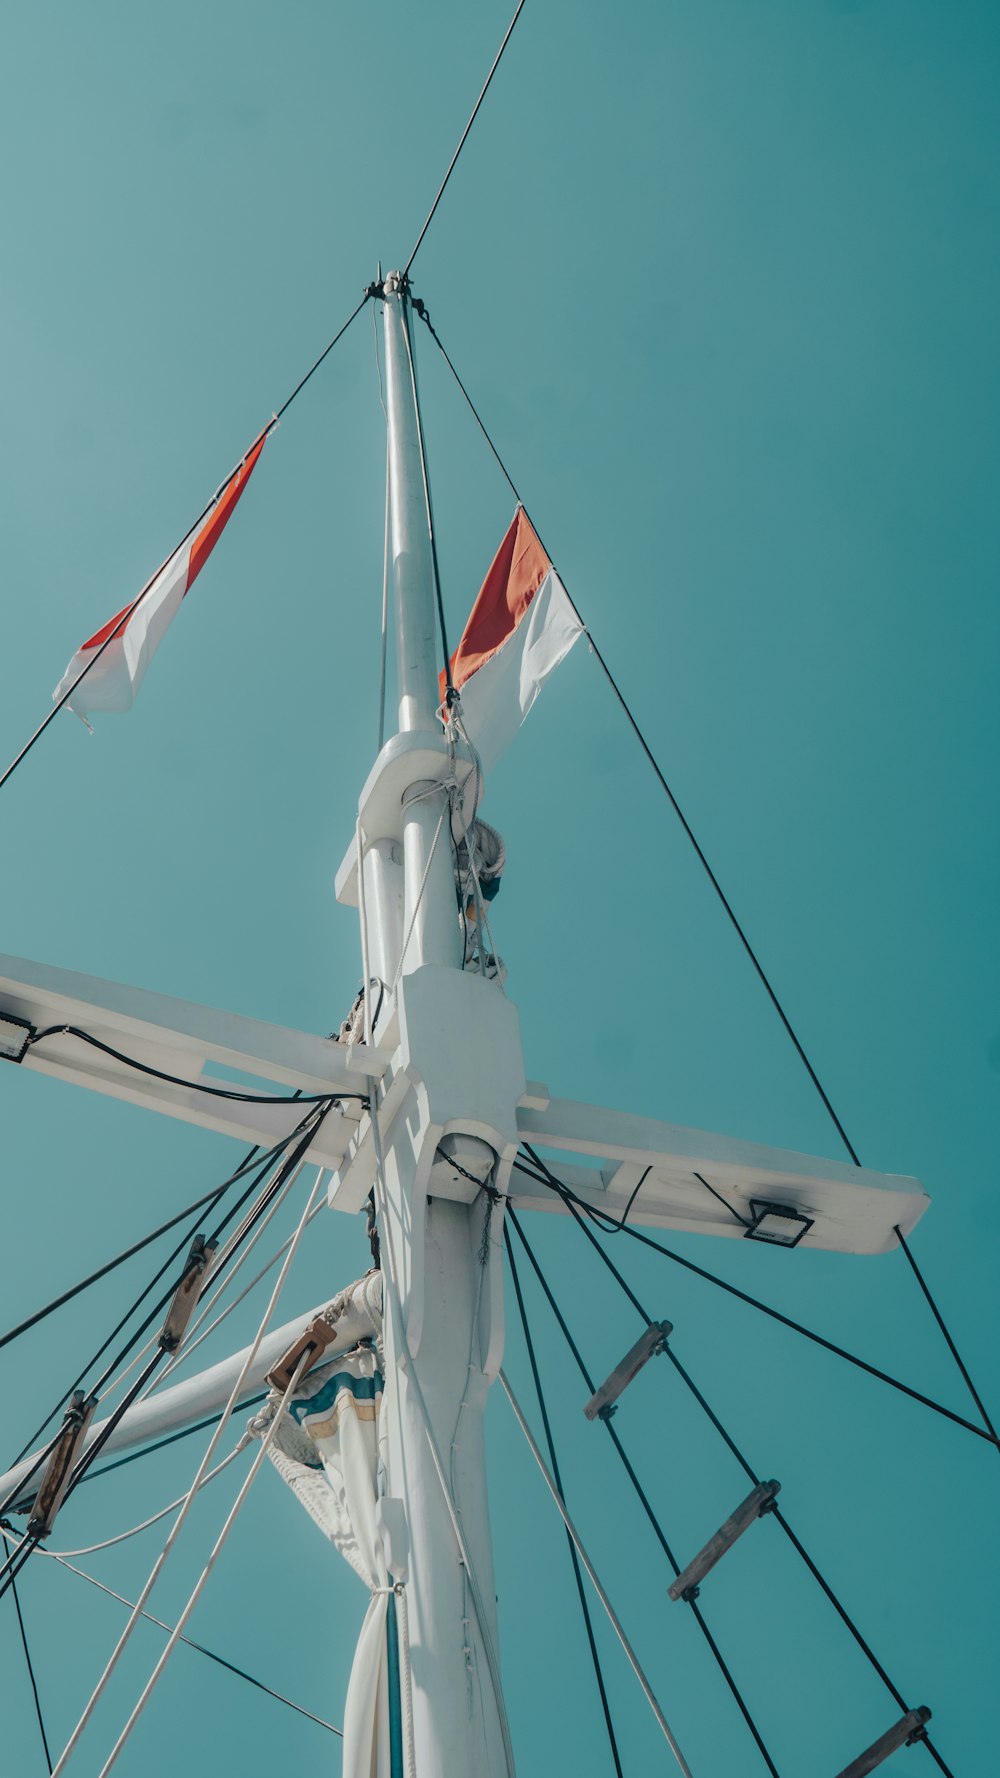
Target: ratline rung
pixel 187 1293
pixel 760 1501
pixel 601 1405
pixel 55 1480
pixel 904 1733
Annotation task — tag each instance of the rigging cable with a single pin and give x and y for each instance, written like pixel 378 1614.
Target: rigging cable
pixel 461 145
pixel 616 1623
pixel 428 507
pixel 154 1518
pixel 200 1648
pixel 31 1675
pixel 640 737
pixel 282 1181
pixel 200 1472
pixel 199 1086
pixel 713 879
pixel 953 1349
pixel 253 1401
pixel 119 627
pixel 255 1159
pixel 610 1225
pixel 238 1503
pixel 637 1485
pixel 776 1512
pixel 553 1459
pixel 110 1265
pixel 384 643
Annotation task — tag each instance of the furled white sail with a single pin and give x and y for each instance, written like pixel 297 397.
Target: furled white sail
pixel 327 1448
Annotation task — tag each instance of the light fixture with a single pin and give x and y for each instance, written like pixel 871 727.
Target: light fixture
pixel 777 1223
pixel 15 1036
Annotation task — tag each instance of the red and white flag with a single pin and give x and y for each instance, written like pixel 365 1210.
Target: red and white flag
pixel 520 628
pixel 138 629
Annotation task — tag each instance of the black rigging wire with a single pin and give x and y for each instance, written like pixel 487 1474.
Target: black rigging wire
pixel 553 1459
pixel 200 1648
pixel 13 1565
pixel 111 1264
pixel 841 1610
pixel 254 1401
pixel 300 385
pixel 953 1349
pixel 713 879
pixel 634 1479
pixel 644 744
pixel 119 627
pixel 262 1163
pixel 405 319
pixel 465 132
pixel 198 1086
pixel 610 1225
pixel 31 1675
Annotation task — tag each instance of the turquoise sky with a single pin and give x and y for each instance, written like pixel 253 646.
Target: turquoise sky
pixel 723 279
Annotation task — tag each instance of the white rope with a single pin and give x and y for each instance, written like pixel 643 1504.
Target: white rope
pixel 189 1347
pixel 199 1585
pixel 92 1549
pixel 601 1594
pixel 175 1528
pixel 219 1259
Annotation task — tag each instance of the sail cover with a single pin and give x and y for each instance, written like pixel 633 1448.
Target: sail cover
pixel 522 625
pixel 114 660
pixel 327 1449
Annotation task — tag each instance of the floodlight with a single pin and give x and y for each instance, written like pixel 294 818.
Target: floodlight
pixel 15 1036
pixel 777 1223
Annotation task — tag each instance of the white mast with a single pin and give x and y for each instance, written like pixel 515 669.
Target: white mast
pixel 460 1038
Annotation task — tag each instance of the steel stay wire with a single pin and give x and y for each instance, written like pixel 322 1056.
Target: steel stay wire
pixel 462 141
pixel 953 1349
pixel 615 1621
pixel 110 1265
pixel 14 1563
pixel 608 1225
pixel 203 1466
pixel 584 1607
pixel 259 1455
pixel 713 879
pixel 428 506
pixel 253 1159
pixel 637 1485
pixel 776 1512
pixel 31 1675
pixel 199 1647
pixel 640 737
pixel 230 478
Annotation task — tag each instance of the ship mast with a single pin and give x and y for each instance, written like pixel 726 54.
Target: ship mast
pixel 443 1305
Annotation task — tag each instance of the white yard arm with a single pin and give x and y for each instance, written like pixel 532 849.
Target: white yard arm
pixel 852 1209
pixel 180 1038
pixel 207 1393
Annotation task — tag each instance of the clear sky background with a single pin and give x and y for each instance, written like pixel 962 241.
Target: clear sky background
pixel 723 279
